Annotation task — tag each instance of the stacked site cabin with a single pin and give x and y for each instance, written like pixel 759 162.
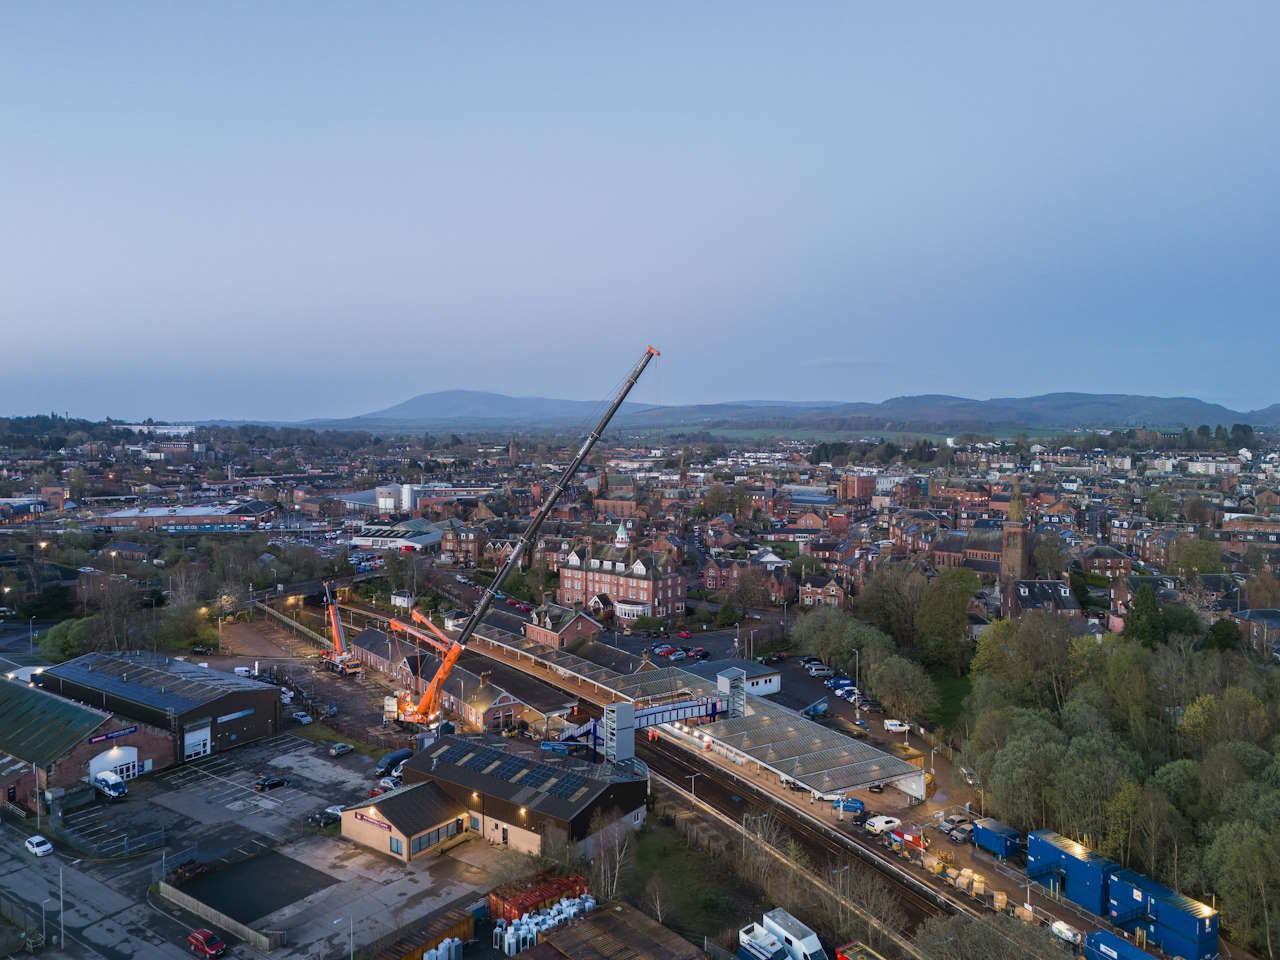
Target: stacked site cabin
pixel 1069 869
pixel 1103 945
pixel 1178 925
pixel 998 839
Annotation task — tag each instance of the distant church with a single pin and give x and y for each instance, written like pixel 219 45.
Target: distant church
pixel 1015 552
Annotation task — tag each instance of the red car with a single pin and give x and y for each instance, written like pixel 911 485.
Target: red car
pixel 377 791
pixel 684 634
pixel 206 943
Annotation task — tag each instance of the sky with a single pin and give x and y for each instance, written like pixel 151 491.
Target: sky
pixel 296 210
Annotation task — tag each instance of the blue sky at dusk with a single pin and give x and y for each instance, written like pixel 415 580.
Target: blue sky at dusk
pixel 296 210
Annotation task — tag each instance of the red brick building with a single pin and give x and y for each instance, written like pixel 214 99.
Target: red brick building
pixel 637 586
pixel 464 543
pixel 555 626
pixel 821 591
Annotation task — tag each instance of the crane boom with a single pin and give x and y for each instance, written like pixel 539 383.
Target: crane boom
pixel 428 705
pixel 338 659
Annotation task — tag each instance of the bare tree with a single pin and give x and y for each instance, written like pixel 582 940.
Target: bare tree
pixel 655 895
pixel 612 853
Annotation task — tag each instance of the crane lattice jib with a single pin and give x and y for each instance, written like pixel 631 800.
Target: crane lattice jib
pixel 335 624
pixel 430 698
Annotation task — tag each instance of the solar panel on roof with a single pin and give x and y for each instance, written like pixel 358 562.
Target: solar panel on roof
pixel 536 777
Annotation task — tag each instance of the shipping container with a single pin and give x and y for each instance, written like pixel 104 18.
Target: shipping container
pixel 515 900
pixel 1102 945
pixel 1069 869
pixel 998 839
pixel 1177 924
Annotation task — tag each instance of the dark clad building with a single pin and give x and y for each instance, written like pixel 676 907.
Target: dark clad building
pixel 206 710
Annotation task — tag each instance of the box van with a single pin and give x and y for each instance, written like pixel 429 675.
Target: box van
pixel 389 762
pixel 243 672
pixel 110 785
pixel 799 941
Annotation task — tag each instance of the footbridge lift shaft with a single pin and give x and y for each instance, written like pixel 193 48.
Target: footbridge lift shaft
pixel 429 705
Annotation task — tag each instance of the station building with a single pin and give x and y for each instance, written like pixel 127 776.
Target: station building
pixel 525 803
pixel 204 711
pixel 415 820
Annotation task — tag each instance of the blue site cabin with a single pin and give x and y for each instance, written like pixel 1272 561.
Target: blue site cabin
pixel 1069 869
pixel 1180 926
pixel 1103 945
pixel 998 839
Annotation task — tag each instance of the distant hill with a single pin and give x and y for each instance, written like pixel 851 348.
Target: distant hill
pixel 479 410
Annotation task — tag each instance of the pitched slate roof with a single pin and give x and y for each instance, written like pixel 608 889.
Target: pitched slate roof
pixel 151 680
pixel 38 726
pixel 412 808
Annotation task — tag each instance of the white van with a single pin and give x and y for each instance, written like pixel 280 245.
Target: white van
pixel 243 672
pixel 110 785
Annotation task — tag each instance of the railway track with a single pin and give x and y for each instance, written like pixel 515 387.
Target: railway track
pixel 735 800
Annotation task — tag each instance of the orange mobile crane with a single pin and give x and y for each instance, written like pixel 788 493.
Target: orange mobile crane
pixel 337 659
pixel 428 706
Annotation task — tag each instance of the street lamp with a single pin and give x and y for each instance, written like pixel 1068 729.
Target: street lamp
pixel 691 777
pixel 44 926
pixel 351 948
pixel 113 560
pixel 31 635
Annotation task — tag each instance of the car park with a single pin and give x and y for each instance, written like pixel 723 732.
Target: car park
pixel 302 717
pixel 38 846
pixel 206 943
pixel 882 824
pixel 264 783
pixel 896 726
pixel 340 749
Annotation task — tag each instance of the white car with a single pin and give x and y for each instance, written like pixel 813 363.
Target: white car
pixel 302 717
pixel 878 825
pixel 848 693
pixel 39 846
pixel 896 726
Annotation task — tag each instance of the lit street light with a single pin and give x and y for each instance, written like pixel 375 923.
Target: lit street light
pixel 351 949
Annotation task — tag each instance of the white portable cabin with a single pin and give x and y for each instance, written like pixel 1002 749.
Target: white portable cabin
pixel 757 943
pixel 799 941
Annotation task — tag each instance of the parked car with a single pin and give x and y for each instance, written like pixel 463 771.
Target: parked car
pixel 809 658
pixel 863 724
pixel 700 654
pixel 302 717
pixel 896 726
pixel 873 705
pixel 200 648
pixel 391 761
pixel 848 693
pixel 817 670
pixel 947 824
pixel 850 805
pixel 398 770
pixel 206 943
pixel 38 846
pixel 970 777
pixel 340 749
pixel 677 655
pixel 327 816
pixel 962 834
pixel 684 634
pixel 377 790
pixel 878 825
pixel 265 783
pixel 775 658
pixel 390 783
pixel 836 682
pixel 876 788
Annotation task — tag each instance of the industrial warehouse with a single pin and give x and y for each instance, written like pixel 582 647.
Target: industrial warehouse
pixel 207 711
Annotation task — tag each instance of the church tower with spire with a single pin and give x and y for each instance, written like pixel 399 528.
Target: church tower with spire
pixel 1015 554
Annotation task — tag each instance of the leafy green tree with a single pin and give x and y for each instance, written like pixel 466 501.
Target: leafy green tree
pixel 1223 635
pixel 942 621
pixel 1244 862
pixel 728 614
pixel 1194 556
pixel 891 599
pixel 1143 621
pixel 903 687
pixel 1049 556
